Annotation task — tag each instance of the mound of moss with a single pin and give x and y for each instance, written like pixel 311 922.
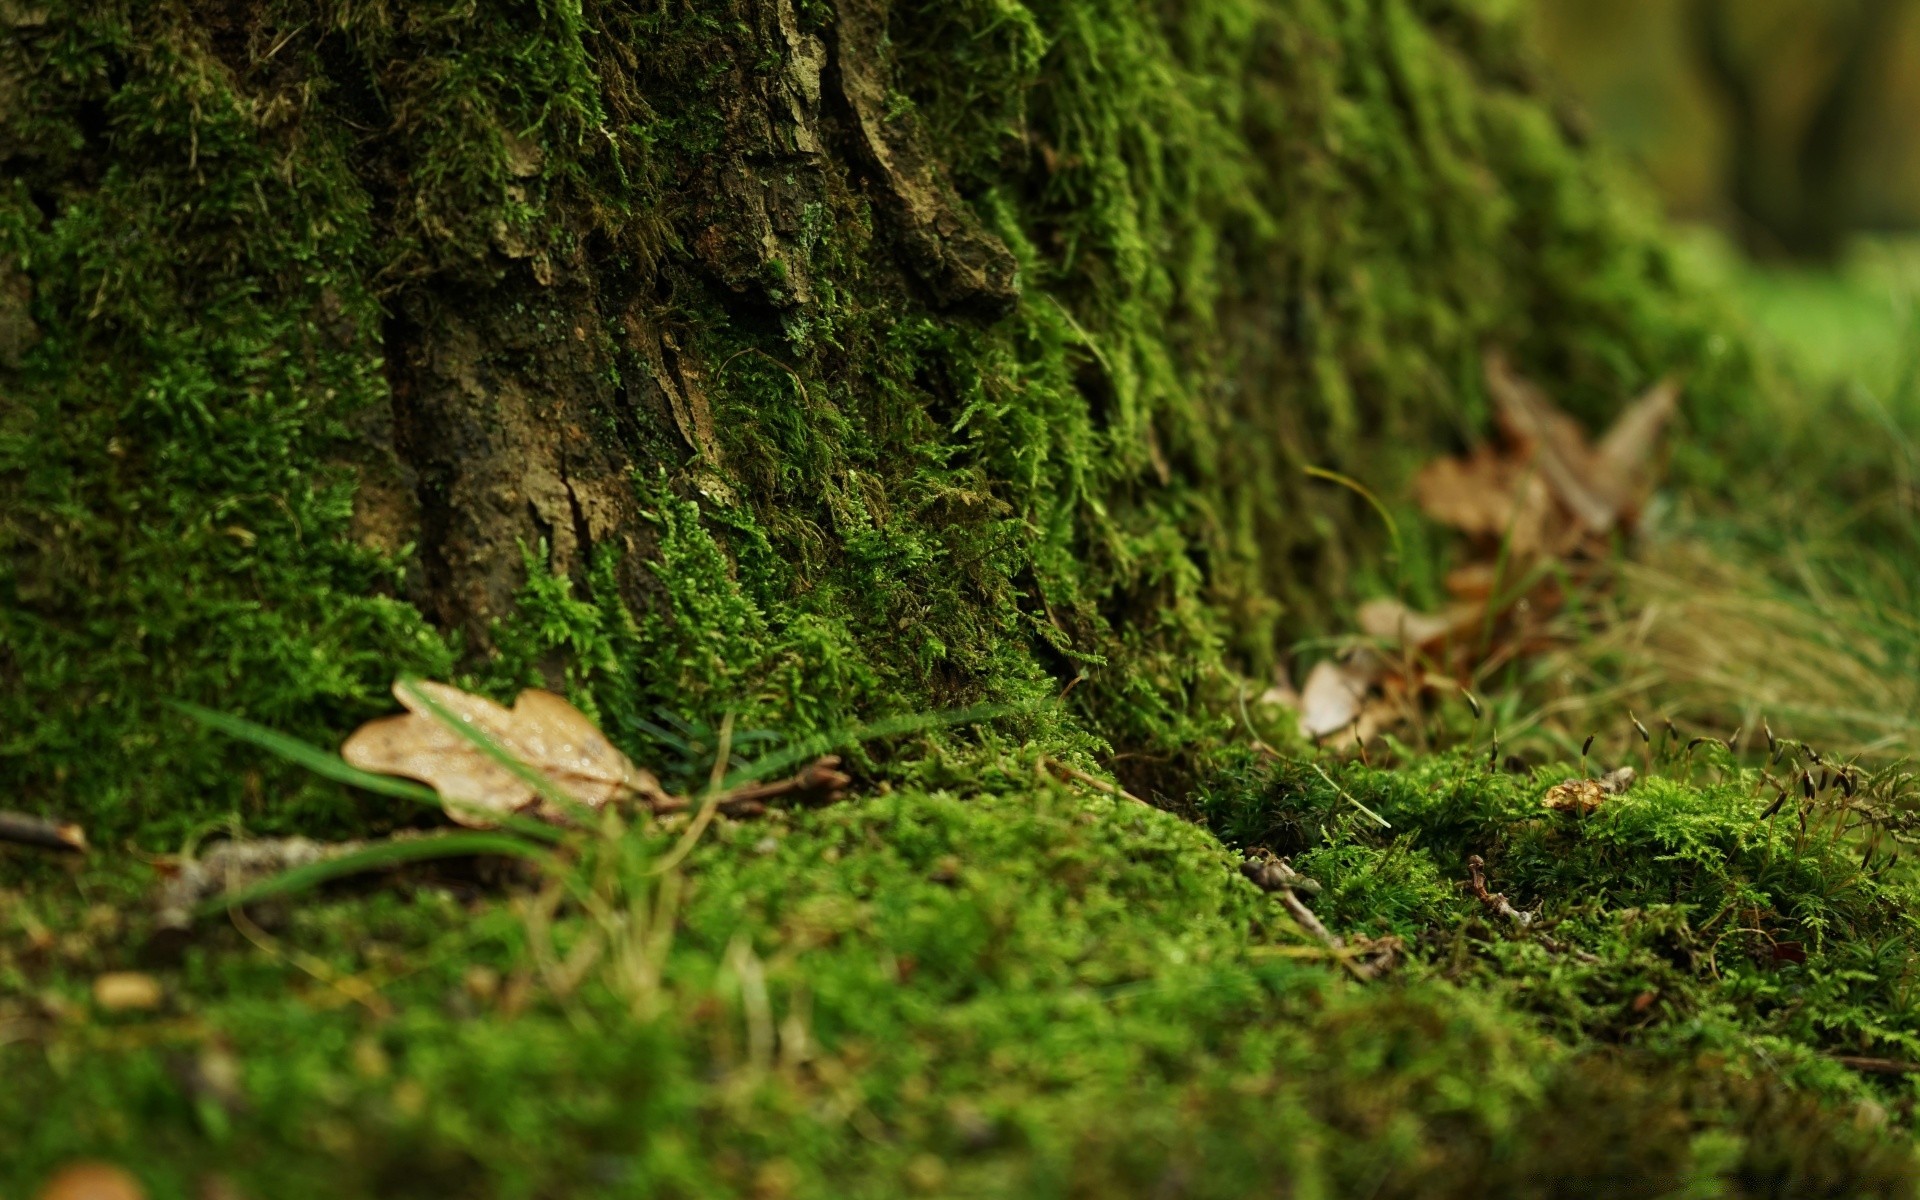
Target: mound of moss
pixel 1027 990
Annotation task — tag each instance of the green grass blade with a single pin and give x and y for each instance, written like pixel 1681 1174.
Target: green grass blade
pixel 373 858
pixel 313 758
pixel 332 766
pixel 811 748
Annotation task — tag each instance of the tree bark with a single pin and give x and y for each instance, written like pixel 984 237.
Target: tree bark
pixel 798 360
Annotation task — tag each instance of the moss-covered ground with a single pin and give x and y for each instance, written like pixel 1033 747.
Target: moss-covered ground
pixel 1021 989
pixel 1253 236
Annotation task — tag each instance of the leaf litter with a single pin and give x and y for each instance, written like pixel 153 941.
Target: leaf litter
pixel 540 764
pixel 1537 507
pixel 549 739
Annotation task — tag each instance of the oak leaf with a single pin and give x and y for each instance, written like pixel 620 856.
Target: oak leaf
pixel 550 737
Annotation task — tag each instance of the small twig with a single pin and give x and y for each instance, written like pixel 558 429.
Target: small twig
pixel 24 830
pixel 1276 875
pixel 1092 781
pixel 1876 1066
pixel 1497 901
pixel 819 782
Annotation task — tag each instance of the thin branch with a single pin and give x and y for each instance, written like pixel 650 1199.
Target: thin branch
pixel 24 830
pixel 1877 1066
pixel 1094 782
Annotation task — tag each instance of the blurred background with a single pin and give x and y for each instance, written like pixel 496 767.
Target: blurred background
pixel 1786 134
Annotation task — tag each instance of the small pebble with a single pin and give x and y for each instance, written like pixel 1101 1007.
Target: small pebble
pixel 121 991
pixel 92 1181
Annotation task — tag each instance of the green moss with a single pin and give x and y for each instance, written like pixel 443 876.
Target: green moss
pixel 1024 991
pixel 1252 236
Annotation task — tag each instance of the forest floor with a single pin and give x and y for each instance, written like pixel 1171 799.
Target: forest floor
pixel 1475 974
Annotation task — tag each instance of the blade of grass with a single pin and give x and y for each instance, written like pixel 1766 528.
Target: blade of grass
pixel 811 748
pixel 332 766
pixel 313 758
pixel 373 858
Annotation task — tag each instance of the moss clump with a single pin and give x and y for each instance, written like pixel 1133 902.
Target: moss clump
pixel 1025 991
pixel 1691 916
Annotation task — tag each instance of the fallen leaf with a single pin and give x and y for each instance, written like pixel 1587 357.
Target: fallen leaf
pixel 541 731
pixel 1391 621
pixel 1598 486
pixel 1472 581
pixel 92 1181
pixel 123 991
pixel 1558 445
pixel 1335 698
pixel 1625 456
pixel 1576 796
pixel 1489 495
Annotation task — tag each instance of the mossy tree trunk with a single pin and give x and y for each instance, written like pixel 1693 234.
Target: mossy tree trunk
pixel 797 359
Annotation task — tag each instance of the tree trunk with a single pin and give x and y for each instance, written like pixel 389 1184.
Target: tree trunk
pixel 798 360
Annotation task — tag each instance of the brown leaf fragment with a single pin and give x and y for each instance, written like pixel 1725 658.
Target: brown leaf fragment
pixel 1576 796
pixel 1333 698
pixel 1624 460
pixel 1394 622
pixel 1558 444
pixel 1491 496
pixel 1472 581
pixel 125 991
pixel 541 731
pixel 1600 485
pixel 91 1181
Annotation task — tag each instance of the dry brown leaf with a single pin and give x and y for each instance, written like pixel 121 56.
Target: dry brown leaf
pixel 122 991
pixel 1586 795
pixel 1626 453
pixel 1558 444
pixel 1472 581
pixel 1597 485
pixel 1575 796
pixel 1335 698
pixel 1542 495
pixel 1391 621
pixel 1488 495
pixel 542 731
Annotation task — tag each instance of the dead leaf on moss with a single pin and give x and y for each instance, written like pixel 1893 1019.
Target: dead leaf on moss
pixel 541 731
pixel 123 991
pixel 1597 486
pixel 92 1181
pixel 1492 495
pixel 1398 625
pixel 1587 795
pixel 1334 698
pixel 1575 796
pixel 1536 505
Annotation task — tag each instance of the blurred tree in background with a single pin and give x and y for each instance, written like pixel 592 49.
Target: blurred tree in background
pixel 1790 122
